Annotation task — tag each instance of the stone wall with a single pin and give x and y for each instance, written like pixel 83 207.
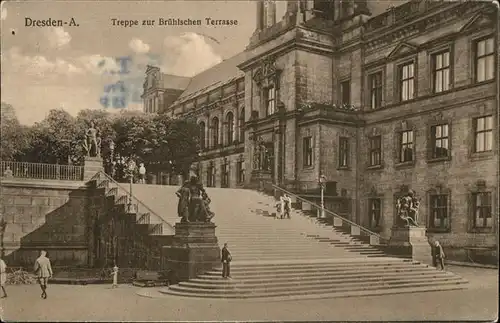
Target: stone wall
pixel 45 214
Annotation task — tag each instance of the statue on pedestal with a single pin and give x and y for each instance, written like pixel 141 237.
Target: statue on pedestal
pixel 183 205
pixel 194 202
pixel 407 209
pixel 92 140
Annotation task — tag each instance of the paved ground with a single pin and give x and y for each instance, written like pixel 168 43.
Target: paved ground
pixel 98 302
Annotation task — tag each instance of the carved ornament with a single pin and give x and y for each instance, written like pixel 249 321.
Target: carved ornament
pixel 265 71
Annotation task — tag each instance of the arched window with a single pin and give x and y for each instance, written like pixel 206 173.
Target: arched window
pixel 202 127
pixel 241 125
pixel 229 128
pixel 215 132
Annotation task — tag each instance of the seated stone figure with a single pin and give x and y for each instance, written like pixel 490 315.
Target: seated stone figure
pixel 407 209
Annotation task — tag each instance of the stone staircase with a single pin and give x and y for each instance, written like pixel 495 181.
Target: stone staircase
pixel 148 231
pixel 292 258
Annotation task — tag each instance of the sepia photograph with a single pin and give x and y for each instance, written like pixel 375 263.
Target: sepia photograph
pixel 250 160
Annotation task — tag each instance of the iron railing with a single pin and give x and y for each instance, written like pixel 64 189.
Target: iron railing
pixel 356 229
pixel 147 214
pixel 13 169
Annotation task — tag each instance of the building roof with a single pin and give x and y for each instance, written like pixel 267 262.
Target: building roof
pixel 224 72
pixel 175 82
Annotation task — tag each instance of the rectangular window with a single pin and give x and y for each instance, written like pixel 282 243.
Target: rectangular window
pixel 375 81
pixel 485 60
pixel 374 210
pixel 344 152
pixel 441 72
pixel 225 174
pixel 270 101
pixel 406 146
pixel 211 176
pixel 241 171
pixel 439 218
pixel 483 134
pixel 407 81
pixel 307 151
pixel 345 92
pixel 440 141
pixel 482 210
pixel 376 151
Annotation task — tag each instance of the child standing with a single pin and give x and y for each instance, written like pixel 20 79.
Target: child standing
pixel 115 277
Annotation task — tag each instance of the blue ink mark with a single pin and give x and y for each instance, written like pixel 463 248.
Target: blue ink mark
pixel 114 87
pixel 104 101
pixel 123 61
pixel 127 90
pixel 119 102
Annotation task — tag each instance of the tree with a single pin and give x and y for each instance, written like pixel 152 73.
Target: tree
pixel 54 140
pixel 183 140
pixel 156 140
pixel 14 136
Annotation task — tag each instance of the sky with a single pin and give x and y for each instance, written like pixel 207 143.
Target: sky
pixel 80 64
pixel 69 67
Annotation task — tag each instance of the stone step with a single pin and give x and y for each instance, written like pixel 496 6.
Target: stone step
pixel 309 281
pixel 290 257
pixel 316 263
pixel 311 271
pixel 326 275
pixel 325 287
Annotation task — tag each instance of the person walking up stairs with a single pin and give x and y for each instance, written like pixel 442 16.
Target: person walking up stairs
pixel 226 262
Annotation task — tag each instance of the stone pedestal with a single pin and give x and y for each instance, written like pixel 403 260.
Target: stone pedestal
pixel 411 241
pixel 261 179
pixel 193 252
pixel 92 166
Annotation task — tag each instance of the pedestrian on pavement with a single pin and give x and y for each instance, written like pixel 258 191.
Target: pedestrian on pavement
pixel 142 173
pixel 282 207
pixel 43 270
pixel 439 255
pixel 278 210
pixel 226 262
pixel 3 276
pixel 114 273
pixel 287 203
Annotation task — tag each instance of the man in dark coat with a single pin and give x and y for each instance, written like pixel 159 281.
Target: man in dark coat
pixel 226 262
pixel 438 255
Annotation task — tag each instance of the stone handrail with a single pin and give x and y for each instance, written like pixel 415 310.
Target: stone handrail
pixel 14 169
pixel 139 202
pixel 335 216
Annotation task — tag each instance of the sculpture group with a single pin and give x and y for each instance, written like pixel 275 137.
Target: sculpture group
pixel 407 209
pixel 193 202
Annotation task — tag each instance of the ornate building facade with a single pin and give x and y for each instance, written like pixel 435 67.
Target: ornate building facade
pixel 405 98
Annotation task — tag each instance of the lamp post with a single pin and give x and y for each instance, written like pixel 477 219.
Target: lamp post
pixel 322 182
pixel 111 150
pixel 111 158
pixel 131 170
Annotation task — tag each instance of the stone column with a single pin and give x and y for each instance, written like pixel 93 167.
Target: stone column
pixel 260 15
pixel 309 9
pixel 292 7
pixel 270 13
